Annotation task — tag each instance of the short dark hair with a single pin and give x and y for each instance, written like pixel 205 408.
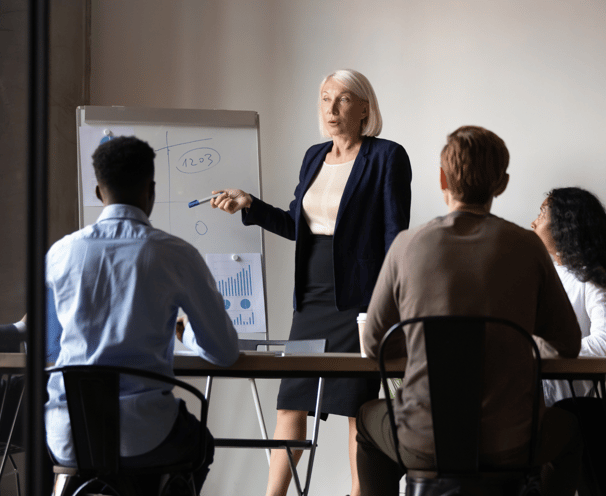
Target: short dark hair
pixel 578 227
pixel 474 161
pixel 123 163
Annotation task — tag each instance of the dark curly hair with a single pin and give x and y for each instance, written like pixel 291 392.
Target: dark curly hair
pixel 578 227
pixel 123 163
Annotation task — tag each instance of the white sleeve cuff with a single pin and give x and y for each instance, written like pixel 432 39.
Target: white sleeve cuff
pixel 21 327
pixel 189 339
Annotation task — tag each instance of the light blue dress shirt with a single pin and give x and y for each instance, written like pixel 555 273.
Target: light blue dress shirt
pixel 118 286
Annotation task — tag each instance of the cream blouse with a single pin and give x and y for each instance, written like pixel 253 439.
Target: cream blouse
pixel 322 199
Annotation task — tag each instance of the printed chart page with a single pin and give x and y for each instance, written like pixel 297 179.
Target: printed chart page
pixel 239 279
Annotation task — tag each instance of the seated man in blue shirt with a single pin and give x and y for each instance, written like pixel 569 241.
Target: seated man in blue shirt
pixel 118 286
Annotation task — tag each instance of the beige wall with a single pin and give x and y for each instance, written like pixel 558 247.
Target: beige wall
pixel 69 24
pixel 533 72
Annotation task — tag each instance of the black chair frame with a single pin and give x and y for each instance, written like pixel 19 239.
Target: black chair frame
pixel 590 412
pixel 97 437
pixel 458 459
pixel 8 421
pixel 10 407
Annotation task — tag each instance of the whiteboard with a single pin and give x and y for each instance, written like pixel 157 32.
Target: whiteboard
pixel 197 151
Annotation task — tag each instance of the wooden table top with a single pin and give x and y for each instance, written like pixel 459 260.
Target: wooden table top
pixel 13 363
pixel 269 364
pixel 275 365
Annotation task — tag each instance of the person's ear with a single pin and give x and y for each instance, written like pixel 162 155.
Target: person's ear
pixel 443 180
pixel 363 106
pixel 98 193
pixel 502 185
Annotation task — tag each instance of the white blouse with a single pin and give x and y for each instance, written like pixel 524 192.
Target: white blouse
pixel 589 303
pixel 322 199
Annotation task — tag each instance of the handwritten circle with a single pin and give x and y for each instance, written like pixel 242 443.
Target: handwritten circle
pixel 201 228
pixel 245 304
pixel 198 160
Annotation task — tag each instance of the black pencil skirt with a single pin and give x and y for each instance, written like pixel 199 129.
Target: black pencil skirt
pixel 318 317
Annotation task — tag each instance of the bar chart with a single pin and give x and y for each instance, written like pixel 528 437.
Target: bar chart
pixel 243 319
pixel 240 283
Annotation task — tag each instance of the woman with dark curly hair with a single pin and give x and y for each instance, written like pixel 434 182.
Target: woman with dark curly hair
pixel 572 225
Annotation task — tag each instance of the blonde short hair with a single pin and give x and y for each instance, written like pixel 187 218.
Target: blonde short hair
pixel 360 86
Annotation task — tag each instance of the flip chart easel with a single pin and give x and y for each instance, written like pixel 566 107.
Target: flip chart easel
pixel 197 151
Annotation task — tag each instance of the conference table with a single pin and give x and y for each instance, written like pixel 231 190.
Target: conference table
pixel 260 364
pixel 12 363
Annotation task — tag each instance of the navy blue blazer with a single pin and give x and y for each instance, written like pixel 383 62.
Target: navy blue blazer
pixel 374 208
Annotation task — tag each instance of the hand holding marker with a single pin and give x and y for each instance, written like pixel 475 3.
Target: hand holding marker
pixel 231 200
pixel 203 200
pixel 228 200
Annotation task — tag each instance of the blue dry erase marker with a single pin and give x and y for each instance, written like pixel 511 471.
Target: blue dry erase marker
pixel 203 200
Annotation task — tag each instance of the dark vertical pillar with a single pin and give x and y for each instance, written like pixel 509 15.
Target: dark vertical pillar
pixel 37 200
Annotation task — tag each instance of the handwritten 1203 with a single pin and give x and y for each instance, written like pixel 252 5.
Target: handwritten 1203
pixel 198 160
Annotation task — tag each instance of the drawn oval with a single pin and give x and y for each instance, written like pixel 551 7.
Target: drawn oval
pixel 201 228
pixel 198 160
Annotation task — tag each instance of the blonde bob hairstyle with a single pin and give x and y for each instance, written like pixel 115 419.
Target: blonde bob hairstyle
pixel 361 87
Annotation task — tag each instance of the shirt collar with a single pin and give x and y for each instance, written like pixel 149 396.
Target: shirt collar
pixel 122 211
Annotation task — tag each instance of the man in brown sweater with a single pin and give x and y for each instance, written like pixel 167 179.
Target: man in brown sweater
pixel 469 262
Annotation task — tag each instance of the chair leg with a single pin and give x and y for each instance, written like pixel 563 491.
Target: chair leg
pixel 67 485
pixel 16 472
pixel 14 422
pixel 59 484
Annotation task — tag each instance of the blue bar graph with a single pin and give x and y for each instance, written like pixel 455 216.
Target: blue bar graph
pixel 238 285
pixel 239 280
pixel 245 320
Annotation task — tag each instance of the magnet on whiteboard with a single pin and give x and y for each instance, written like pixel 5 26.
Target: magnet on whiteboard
pixel 235 257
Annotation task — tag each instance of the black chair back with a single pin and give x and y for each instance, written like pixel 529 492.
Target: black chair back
pixel 455 347
pixel 94 415
pixel 446 342
pixel 93 397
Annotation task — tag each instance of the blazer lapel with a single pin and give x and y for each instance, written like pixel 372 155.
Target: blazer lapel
pixel 354 177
